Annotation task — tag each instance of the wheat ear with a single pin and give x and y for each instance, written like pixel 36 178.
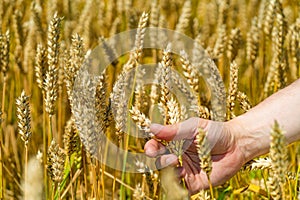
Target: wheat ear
pixel 233 88
pixel 73 64
pixel 51 85
pixel 233 44
pixel 24 118
pixel 71 137
pixel 55 162
pixel 278 155
pixel 165 77
pixel 243 100
pixel 203 150
pixel 4 52
pixel 185 17
pixel 40 66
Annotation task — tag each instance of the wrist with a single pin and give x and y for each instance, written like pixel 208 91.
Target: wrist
pixel 251 140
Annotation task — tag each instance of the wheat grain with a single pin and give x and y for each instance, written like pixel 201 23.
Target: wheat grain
pixel 141 120
pixel 51 80
pixel 252 42
pixel 223 12
pixel 4 53
pixel 203 151
pixel 269 14
pixel 139 92
pixel 36 15
pixel 73 64
pixel 185 17
pixel 102 112
pixel 71 137
pixel 40 66
pixel 233 89
pixel 260 163
pixel 278 156
pixel 55 162
pixel 165 77
pixel 189 72
pixel 233 44
pixel 24 118
pixel 83 102
pixel 244 101
pixel 153 21
pixel 220 44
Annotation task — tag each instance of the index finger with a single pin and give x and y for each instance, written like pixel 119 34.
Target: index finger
pixel 184 130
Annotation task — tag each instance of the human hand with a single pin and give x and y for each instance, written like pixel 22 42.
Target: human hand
pixel 226 153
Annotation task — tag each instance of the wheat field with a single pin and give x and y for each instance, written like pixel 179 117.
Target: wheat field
pixel 47 144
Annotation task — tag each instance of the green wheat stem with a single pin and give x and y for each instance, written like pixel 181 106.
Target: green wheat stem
pixel 122 192
pixel 45 149
pixel 1 137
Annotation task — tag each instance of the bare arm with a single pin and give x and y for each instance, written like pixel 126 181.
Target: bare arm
pixel 254 126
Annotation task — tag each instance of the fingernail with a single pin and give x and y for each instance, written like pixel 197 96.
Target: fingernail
pixel 156 128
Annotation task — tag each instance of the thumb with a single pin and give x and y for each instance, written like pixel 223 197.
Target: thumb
pixel 184 130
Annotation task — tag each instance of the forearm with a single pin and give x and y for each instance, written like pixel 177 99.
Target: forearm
pixel 283 106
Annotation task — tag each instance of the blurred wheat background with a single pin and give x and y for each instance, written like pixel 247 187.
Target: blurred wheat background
pixel 254 44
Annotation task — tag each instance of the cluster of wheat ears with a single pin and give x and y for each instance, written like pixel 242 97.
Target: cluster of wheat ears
pixel 48 144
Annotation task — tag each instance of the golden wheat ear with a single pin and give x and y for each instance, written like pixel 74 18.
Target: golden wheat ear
pixel 71 137
pixel 233 89
pixel 203 151
pixel 279 162
pixel 51 80
pixel 24 118
pixel 55 162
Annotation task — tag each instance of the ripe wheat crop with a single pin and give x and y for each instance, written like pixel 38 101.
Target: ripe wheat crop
pixel 50 136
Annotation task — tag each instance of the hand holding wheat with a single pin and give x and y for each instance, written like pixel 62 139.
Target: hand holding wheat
pixel 227 158
pixel 231 143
